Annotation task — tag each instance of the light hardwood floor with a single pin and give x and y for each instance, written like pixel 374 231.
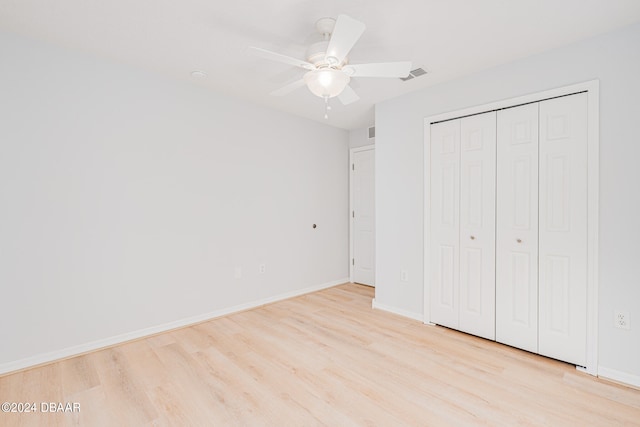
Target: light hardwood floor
pixel 325 358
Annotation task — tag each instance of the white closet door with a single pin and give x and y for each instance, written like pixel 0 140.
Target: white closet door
pixel 517 228
pixel 477 224
pixel 363 216
pixel 563 229
pixel 445 225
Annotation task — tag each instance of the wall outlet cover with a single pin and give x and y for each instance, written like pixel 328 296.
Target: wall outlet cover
pixel 621 319
pixel 404 276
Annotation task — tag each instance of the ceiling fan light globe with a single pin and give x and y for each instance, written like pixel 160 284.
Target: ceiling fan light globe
pixel 326 83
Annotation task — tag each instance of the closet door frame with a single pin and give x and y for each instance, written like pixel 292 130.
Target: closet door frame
pixel 592 88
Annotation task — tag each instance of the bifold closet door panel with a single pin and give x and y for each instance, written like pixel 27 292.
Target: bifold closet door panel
pixel 563 229
pixel 445 223
pixel 477 224
pixel 517 228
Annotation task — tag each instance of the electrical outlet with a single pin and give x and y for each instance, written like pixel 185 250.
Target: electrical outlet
pixel 621 319
pixel 404 276
pixel 262 268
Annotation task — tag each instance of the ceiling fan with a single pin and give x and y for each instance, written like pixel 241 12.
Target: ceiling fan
pixel 328 69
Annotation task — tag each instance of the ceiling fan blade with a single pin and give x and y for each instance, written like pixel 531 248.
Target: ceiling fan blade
pixel 284 90
pixel 348 96
pixel 382 69
pixel 273 56
pixel 345 34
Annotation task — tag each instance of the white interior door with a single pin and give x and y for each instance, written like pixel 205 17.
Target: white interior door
pixel 477 224
pixel 517 228
pixel 563 229
pixel 363 216
pixel 445 224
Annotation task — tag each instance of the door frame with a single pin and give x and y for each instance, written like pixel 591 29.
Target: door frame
pixel 592 88
pixel 352 152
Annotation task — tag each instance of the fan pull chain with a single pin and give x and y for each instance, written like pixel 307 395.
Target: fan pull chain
pixel 327 107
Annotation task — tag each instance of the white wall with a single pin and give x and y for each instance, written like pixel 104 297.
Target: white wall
pixel 128 200
pixel 614 59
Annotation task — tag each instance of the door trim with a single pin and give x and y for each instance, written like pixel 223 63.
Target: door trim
pixel 592 88
pixel 352 152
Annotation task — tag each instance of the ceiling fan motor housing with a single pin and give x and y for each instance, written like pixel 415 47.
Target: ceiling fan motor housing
pixel 316 55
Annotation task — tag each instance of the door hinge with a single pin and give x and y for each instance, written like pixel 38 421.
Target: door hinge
pixel 353 261
pixel 353 214
pixel 353 166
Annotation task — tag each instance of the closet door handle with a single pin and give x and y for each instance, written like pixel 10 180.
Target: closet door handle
pixel 473 237
pixel 519 240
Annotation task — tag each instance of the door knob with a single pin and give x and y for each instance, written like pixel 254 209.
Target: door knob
pixel 519 240
pixel 473 237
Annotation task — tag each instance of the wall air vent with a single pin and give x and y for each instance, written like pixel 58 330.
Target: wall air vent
pixel 372 132
pixel 414 73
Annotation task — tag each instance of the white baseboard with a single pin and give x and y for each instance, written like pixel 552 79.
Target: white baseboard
pixel 415 316
pixel 141 333
pixel 618 376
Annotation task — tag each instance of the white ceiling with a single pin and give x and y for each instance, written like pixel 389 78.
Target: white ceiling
pixel 449 38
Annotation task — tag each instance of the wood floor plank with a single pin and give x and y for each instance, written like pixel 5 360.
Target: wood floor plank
pixel 321 359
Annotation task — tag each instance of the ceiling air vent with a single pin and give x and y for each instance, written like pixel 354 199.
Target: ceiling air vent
pixel 372 132
pixel 414 73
